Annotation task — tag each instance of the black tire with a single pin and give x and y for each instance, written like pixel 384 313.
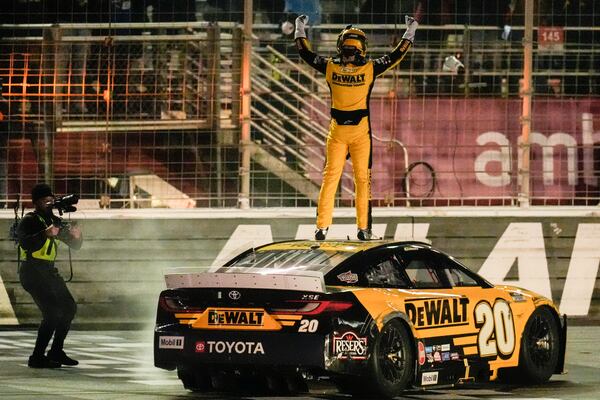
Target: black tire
pixel 540 347
pixel 393 359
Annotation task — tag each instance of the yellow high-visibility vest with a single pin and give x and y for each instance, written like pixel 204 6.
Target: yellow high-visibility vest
pixel 47 252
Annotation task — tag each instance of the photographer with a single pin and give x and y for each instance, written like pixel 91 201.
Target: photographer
pixel 38 233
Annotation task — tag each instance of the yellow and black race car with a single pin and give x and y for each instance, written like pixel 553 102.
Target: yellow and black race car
pixel 375 316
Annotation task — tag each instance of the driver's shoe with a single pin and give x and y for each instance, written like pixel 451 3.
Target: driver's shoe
pixel 365 234
pixel 320 234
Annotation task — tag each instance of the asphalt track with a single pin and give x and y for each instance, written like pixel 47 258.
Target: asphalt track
pixel 118 365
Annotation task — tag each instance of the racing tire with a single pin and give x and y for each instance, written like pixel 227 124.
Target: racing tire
pixel 540 347
pixel 392 359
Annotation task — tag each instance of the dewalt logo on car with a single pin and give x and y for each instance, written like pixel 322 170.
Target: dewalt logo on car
pixel 235 317
pixel 435 313
pixel 230 319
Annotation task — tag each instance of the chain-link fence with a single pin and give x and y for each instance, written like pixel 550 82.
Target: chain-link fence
pixel 131 114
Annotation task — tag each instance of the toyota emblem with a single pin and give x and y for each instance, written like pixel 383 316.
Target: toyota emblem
pixel 234 295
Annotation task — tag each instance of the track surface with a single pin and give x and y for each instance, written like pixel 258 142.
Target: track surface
pixel 118 365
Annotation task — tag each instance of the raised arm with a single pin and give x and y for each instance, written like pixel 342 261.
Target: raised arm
pixel 388 61
pixel 317 62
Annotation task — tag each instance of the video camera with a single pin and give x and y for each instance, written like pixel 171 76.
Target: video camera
pixel 65 203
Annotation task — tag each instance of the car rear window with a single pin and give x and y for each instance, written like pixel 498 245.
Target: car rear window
pixel 288 260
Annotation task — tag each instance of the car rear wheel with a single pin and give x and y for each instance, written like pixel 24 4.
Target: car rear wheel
pixel 540 347
pixel 393 359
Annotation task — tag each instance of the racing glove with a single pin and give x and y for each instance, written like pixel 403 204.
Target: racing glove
pixel 411 28
pixel 301 22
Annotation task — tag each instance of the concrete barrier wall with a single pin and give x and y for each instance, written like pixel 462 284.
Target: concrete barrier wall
pixel 119 271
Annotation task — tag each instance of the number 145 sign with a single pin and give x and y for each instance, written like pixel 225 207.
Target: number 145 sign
pixel 551 39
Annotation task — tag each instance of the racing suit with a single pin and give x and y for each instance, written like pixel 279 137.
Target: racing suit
pixel 349 128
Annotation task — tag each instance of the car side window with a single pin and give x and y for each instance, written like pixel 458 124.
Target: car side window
pixel 459 278
pixel 385 272
pixel 428 268
pixel 422 268
pixel 454 273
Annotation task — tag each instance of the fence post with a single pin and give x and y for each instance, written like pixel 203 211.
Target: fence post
pixel 236 77
pixel 244 195
pixel 526 93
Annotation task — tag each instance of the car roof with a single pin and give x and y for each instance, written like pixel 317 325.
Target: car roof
pixel 352 246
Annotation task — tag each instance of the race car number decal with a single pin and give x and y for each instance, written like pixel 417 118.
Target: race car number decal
pixel 308 325
pixel 497 329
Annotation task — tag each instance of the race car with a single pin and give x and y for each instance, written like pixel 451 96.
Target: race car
pixel 376 317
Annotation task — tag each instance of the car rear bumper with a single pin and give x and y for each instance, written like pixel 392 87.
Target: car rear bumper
pixel 173 348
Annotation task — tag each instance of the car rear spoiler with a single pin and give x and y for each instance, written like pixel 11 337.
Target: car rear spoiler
pixel 306 281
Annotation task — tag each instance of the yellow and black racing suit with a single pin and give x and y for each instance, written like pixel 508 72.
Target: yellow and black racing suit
pixel 349 129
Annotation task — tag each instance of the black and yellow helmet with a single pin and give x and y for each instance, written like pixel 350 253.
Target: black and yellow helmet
pixel 352 37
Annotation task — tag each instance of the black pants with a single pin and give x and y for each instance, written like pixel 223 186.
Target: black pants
pixel 54 300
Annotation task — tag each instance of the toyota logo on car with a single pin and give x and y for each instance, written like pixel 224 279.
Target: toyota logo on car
pixel 235 295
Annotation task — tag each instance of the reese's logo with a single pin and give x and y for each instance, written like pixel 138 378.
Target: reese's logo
pixel 349 345
pixel 434 313
pixel 347 79
pixel 235 317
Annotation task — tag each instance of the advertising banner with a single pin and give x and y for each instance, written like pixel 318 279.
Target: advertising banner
pixel 469 148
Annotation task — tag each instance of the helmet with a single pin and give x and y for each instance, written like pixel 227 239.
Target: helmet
pixel 352 37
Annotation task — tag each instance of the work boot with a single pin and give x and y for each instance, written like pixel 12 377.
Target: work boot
pixel 42 362
pixel 61 358
pixel 320 234
pixel 365 234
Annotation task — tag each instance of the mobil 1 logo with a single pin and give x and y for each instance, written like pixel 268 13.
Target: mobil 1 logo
pixel 170 342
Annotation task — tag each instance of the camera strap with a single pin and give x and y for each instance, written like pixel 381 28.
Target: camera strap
pixel 70 267
pixel 70 261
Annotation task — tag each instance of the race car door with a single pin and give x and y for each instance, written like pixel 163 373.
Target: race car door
pixel 457 313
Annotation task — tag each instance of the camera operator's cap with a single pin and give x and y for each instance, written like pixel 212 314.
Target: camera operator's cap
pixel 40 190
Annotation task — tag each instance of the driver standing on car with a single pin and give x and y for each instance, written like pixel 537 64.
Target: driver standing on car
pixel 350 77
pixel 39 233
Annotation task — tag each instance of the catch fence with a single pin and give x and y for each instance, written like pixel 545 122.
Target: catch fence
pixel 149 115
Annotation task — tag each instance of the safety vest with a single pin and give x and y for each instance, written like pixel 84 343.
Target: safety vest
pixel 46 253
